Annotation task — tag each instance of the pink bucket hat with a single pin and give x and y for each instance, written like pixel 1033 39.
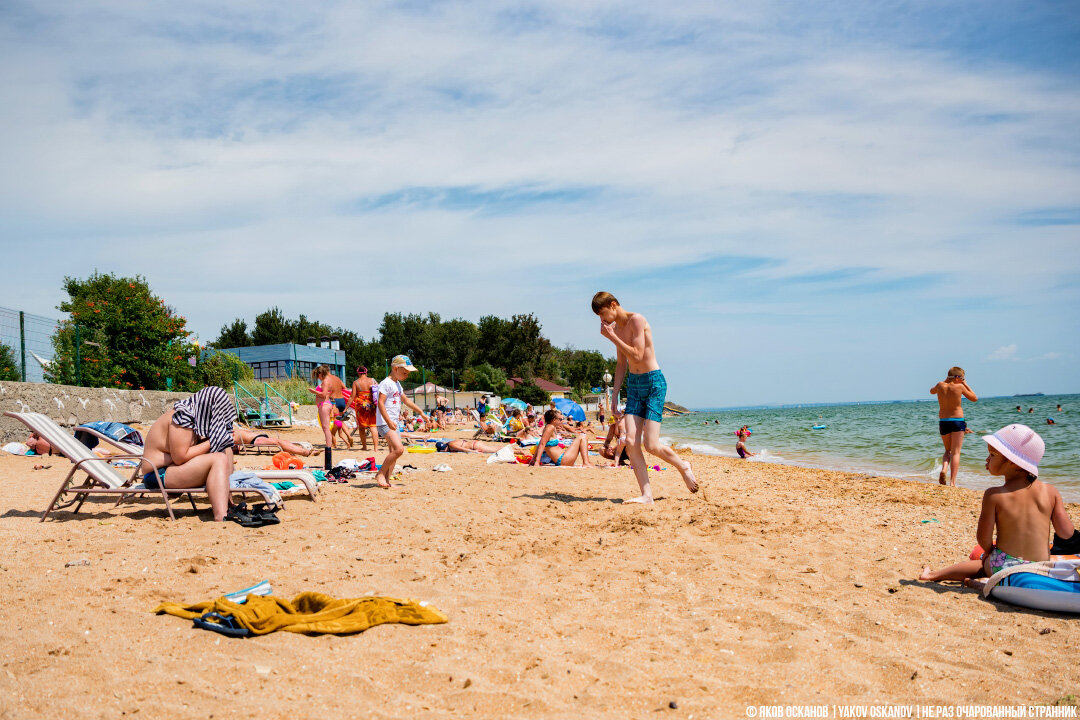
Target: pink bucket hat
pixel 1020 444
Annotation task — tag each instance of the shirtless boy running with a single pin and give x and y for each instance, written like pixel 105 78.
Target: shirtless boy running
pixel 646 391
pixel 951 425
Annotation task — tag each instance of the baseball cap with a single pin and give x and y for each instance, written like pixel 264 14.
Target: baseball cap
pixel 1020 444
pixel 403 361
pixel 441 446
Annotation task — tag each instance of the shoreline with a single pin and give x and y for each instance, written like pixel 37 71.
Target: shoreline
pixel 901 450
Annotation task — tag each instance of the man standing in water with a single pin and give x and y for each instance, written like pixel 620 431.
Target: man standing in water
pixel 647 389
pixel 951 425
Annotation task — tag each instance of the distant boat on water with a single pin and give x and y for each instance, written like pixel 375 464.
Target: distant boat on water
pixel 1029 395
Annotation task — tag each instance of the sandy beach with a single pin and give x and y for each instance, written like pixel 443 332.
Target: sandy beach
pixel 774 585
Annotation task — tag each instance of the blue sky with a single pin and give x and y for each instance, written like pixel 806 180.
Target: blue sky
pixel 810 202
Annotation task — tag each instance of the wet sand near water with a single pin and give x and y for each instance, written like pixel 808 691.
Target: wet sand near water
pixel 775 585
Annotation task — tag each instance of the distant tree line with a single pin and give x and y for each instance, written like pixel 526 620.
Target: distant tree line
pixel 119 334
pixel 457 352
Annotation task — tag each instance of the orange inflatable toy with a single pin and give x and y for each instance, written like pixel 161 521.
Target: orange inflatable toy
pixel 285 461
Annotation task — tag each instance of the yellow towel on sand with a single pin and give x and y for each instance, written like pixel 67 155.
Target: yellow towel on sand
pixel 311 612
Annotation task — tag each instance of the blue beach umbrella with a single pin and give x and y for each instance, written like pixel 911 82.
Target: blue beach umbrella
pixel 515 403
pixel 569 408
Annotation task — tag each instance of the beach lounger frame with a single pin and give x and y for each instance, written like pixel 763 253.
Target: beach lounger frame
pixel 499 434
pixel 303 476
pixel 238 448
pixel 101 477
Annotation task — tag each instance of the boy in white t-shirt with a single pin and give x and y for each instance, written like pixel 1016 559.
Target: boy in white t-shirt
pixel 389 395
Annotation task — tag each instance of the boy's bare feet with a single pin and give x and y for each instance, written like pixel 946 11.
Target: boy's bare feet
pixel 926 572
pixel 941 477
pixel 643 500
pixel 689 479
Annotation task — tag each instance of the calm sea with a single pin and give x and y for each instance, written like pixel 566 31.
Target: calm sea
pixel 897 439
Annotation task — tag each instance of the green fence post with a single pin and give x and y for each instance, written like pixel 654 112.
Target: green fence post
pixel 22 342
pixel 78 358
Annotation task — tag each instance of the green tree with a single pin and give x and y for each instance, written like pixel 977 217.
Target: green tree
pixel 585 370
pixel 271 328
pixel 530 393
pixel 9 367
pixel 493 334
pixel 234 335
pixel 127 337
pixel 303 329
pixel 525 346
pixel 484 377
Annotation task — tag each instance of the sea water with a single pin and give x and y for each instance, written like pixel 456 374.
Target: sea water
pixel 896 439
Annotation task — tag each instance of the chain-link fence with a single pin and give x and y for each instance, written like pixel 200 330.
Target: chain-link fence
pixel 30 339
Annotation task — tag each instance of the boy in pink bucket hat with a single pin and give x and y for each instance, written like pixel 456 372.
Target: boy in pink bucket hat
pixel 1021 510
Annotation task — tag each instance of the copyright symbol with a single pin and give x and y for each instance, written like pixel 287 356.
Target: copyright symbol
pixel 751 711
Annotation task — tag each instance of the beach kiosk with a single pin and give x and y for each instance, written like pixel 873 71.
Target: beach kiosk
pixel 276 362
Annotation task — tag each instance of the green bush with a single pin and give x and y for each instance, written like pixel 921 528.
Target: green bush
pixel 9 367
pixel 222 369
pixel 119 334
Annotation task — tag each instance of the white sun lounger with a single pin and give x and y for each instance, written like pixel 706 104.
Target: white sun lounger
pixel 101 477
pixel 302 476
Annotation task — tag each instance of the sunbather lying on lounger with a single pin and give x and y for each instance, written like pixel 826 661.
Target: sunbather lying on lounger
pixel 243 436
pixel 38 444
pixel 191 445
pixel 470 446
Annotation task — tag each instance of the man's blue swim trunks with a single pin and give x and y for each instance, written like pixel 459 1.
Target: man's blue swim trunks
pixel 645 395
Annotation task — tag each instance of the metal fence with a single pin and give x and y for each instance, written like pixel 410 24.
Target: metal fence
pixel 30 339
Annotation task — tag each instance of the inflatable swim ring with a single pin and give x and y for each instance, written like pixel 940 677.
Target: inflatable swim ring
pixel 819 427
pixel 1036 590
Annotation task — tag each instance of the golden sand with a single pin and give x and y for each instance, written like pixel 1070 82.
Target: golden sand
pixel 774 585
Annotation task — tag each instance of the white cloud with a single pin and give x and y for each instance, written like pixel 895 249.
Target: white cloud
pixel 216 149
pixel 1005 352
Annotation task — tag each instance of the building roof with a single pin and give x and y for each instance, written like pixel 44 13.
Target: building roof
pixel 429 388
pixel 287 351
pixel 545 385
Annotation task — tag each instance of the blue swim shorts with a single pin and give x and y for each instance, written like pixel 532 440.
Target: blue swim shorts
pixel 154 481
pixel 645 395
pixel 951 425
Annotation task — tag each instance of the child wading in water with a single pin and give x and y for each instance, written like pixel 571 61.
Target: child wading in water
pixel 951 425
pixel 740 446
pixel 646 391
pixel 1021 510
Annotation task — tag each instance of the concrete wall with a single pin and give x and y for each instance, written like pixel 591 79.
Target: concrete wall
pixel 70 406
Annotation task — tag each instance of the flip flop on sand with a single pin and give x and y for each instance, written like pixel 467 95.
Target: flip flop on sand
pixel 240 514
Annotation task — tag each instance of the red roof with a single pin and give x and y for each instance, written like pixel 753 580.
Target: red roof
pixel 545 385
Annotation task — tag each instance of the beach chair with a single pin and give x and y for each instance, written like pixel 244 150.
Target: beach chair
pixel 499 433
pixel 238 448
pixel 101 477
pixel 302 476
